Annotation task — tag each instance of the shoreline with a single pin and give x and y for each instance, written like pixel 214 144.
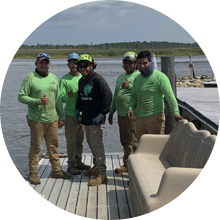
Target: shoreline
pixel 197 82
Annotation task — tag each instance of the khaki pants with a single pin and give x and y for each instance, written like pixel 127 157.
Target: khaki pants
pixel 128 137
pixel 94 136
pixel 150 125
pixel 74 134
pixel 48 131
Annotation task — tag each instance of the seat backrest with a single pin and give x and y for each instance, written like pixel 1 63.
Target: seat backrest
pixel 187 146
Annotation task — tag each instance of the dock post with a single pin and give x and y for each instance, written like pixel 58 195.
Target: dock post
pixel 168 68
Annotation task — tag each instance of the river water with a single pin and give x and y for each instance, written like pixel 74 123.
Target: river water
pixel 13 114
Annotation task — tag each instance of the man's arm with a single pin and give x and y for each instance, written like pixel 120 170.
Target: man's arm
pixel 24 95
pixel 59 104
pixel 170 97
pixel 106 96
pixel 78 102
pixel 63 92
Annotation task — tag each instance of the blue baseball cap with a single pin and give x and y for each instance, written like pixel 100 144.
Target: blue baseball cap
pixel 73 56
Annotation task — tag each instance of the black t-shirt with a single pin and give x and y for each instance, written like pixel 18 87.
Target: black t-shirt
pixel 94 97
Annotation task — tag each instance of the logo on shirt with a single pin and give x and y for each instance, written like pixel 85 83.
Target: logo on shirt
pixel 87 90
pixel 52 82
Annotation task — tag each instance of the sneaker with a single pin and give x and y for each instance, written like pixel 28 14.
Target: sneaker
pixel 73 171
pixel 122 169
pixel 33 178
pixel 61 175
pixel 92 172
pixel 98 180
pixel 82 166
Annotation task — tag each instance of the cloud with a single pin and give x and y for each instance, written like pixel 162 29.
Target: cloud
pixel 109 21
pixel 75 12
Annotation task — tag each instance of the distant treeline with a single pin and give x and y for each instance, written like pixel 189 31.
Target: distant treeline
pixel 111 49
pixel 121 45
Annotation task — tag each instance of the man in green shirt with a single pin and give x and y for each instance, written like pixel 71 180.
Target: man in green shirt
pixel 40 91
pixel 74 132
pixel 120 103
pixel 147 98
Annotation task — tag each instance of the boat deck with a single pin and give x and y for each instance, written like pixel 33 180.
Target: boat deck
pixel 106 201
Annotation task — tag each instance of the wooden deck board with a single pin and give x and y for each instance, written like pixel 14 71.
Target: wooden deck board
pixel 102 202
pixel 26 212
pixel 83 194
pixel 122 199
pixel 62 200
pixel 112 198
pixel 48 183
pixel 106 201
pixel 127 191
pixel 92 199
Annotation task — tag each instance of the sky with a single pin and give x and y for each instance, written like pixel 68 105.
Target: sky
pixel 108 22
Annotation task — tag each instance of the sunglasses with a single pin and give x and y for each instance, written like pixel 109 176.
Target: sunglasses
pixel 72 63
pixel 43 55
pixel 84 66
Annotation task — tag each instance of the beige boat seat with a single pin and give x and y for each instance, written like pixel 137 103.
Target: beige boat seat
pixel 164 166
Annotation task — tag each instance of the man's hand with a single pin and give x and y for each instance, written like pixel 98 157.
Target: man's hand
pixel 178 118
pixel 70 94
pixel 130 114
pixel 125 84
pixel 78 116
pixel 44 100
pixel 61 123
pixel 110 119
pixel 98 119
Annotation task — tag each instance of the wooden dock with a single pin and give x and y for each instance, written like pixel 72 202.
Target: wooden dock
pixel 106 201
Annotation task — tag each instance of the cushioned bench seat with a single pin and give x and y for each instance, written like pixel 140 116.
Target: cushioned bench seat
pixel 163 166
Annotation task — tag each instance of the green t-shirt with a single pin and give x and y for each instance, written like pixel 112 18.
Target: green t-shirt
pixel 148 93
pixel 32 89
pixel 121 99
pixel 68 82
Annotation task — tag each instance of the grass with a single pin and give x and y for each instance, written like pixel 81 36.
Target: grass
pixel 63 53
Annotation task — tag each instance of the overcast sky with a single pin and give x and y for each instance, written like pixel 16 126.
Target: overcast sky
pixel 108 22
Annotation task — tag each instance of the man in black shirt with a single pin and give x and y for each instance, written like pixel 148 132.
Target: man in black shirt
pixel 94 101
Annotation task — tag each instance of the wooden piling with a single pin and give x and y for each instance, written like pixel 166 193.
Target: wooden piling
pixel 191 67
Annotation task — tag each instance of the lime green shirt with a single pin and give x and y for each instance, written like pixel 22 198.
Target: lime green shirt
pixel 32 89
pixel 121 99
pixel 68 82
pixel 148 93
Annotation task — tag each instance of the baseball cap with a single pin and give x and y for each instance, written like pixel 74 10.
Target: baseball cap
pixel 43 56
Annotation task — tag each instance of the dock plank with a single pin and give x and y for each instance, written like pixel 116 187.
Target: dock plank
pixel 74 194
pixel 127 191
pixel 106 201
pixel 113 211
pixel 83 194
pixel 102 202
pixel 65 191
pixel 92 199
pixel 121 196
pixel 24 213
pixel 48 184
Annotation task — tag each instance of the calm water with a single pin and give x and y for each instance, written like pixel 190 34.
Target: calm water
pixel 13 114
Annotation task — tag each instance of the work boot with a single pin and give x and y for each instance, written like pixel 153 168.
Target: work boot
pixel 92 172
pixel 74 171
pixel 60 175
pixel 122 169
pixel 82 166
pixel 98 180
pixel 33 178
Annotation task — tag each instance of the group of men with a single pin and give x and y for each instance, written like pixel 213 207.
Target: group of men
pixel 138 99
